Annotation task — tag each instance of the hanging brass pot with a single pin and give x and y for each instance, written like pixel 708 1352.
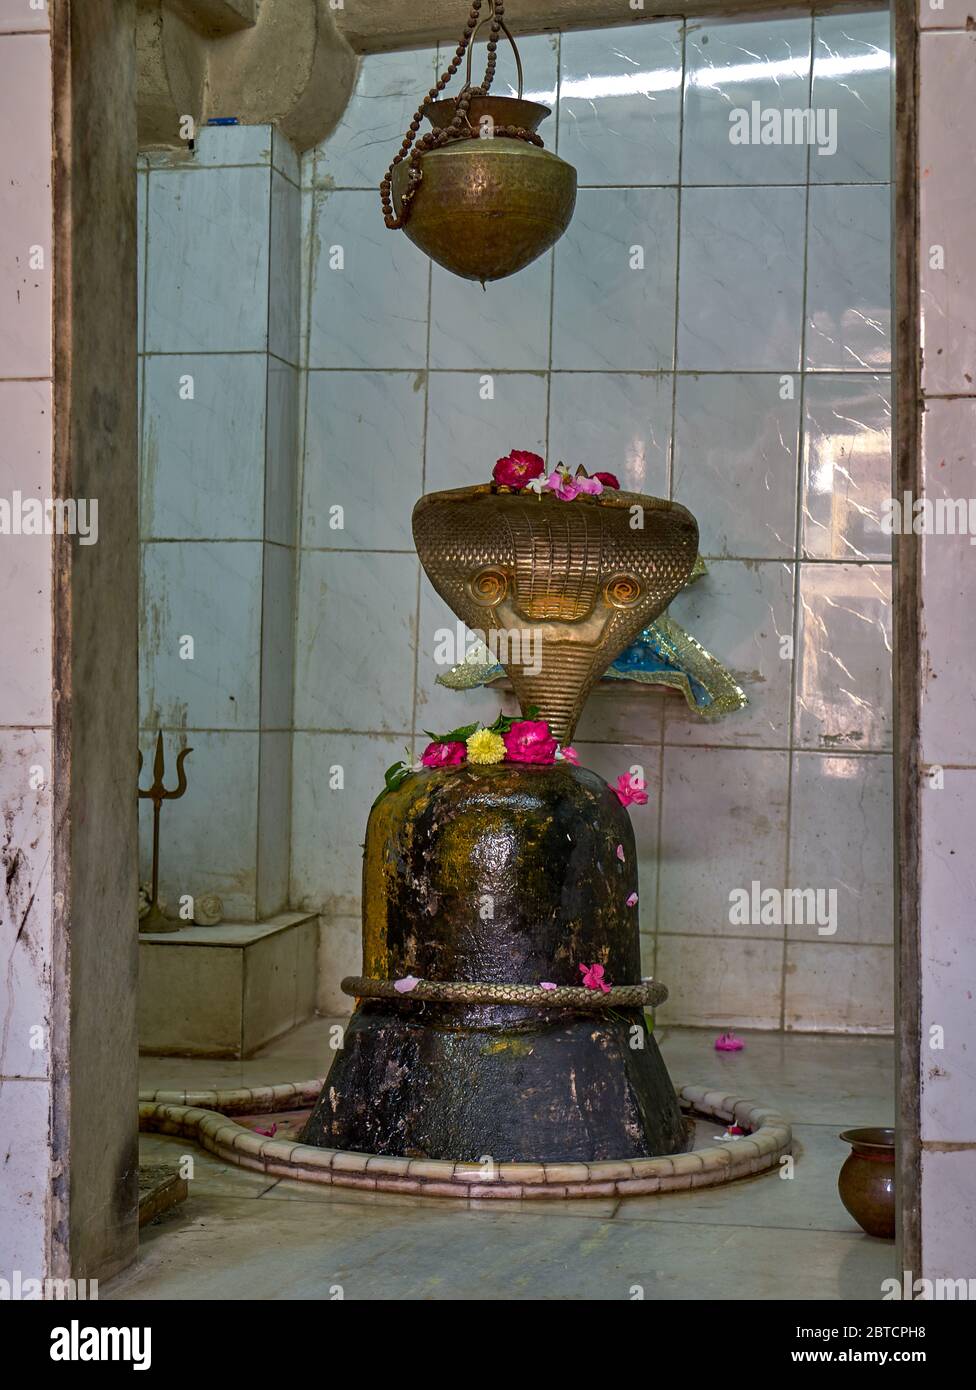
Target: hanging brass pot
pixel 486 208
pixel 479 193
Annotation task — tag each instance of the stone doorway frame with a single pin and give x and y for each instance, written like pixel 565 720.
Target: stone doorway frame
pixel 93 1136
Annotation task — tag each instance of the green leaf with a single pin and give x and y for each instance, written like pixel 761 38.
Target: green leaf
pixel 460 735
pixel 504 722
pixel 392 778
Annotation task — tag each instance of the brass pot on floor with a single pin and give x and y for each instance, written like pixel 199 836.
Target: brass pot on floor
pixel 867 1180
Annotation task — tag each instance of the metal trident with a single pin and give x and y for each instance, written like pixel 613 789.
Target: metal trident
pixel 157 794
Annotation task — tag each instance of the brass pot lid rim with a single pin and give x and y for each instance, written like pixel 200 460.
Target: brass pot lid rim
pixel 516 111
pixel 870 1137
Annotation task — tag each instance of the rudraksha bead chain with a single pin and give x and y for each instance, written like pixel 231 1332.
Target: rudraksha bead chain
pixel 460 127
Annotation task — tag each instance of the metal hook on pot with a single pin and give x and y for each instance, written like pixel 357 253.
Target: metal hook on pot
pixel 508 34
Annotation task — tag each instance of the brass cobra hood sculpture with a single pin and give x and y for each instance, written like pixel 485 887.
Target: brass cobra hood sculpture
pixel 478 193
pixel 583 577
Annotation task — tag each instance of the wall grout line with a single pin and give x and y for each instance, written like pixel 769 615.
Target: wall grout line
pixel 670 469
pixel 844 373
pixel 552 265
pixel 797 539
pixel 264 559
pixel 418 629
pixel 606 187
pixel 234 352
pixel 307 288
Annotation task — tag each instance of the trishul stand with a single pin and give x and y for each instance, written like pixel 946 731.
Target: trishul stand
pixel 154 921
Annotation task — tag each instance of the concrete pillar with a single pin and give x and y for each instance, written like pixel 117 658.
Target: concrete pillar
pixel 220 441
pixel 945 1221
pixel 68 1183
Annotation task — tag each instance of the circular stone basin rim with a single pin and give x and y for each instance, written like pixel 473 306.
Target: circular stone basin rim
pixel 205 1117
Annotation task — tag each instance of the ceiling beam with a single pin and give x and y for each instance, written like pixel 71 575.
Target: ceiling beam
pixel 372 27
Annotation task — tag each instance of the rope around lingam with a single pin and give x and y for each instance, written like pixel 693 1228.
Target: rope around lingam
pixel 206 1118
pixel 647 993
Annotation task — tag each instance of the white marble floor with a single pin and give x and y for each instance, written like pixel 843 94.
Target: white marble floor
pixel 244 1236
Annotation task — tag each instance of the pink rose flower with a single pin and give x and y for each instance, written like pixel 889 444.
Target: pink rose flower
pixel 592 486
pixel 728 1042
pixel 444 754
pixel 518 468
pixel 630 791
pixel 593 977
pixel 608 480
pixel 529 741
pixel 570 755
pixel 564 487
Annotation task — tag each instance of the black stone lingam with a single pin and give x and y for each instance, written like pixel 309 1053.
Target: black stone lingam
pixel 485 888
pixel 499 874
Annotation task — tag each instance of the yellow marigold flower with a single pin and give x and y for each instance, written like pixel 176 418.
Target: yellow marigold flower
pixel 485 747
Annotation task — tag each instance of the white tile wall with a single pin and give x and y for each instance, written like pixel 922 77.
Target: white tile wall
pixel 852 75
pixel 211 592
pixel 25 561
pixel 207 280
pixel 208 838
pixel 842 843
pixel 26 253
pixel 735 462
pixel 949 1213
pixel 221 402
pixel 622 417
pixel 25 207
pixel 202 472
pixel 23 16
pixel 609 312
pixel 944 14
pixel 365 455
pixel 843 678
pixel 846 467
pixel 740 250
pixel 948 612
pixel 848 277
pixel 728 65
pixel 742 610
pixel 620 104
pixel 947 104
pixel 737 801
pixel 948 1070
pixel 947 259
pixel 360 609
pixel 25 775
pixel 369 290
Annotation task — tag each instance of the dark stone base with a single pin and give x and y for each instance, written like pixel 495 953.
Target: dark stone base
pixel 501 875
pixel 564 1087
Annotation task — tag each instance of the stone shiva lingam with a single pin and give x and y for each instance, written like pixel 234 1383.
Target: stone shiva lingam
pixel 501 1008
